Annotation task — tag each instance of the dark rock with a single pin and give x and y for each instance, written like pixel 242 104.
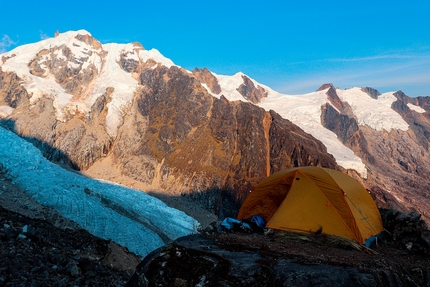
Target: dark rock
pixel 10 233
pixel 373 93
pixel 342 125
pixel 274 260
pixel 72 269
pixel 250 92
pixel 55 256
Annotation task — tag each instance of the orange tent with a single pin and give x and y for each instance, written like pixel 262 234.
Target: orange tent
pixel 313 199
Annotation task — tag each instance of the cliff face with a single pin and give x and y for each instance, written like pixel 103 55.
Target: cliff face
pixel 180 138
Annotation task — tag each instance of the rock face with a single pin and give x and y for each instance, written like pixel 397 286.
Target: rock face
pixel 12 93
pixel 219 145
pixel 250 92
pixel 206 77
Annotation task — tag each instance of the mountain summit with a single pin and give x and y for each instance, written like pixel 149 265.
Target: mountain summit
pixel 130 115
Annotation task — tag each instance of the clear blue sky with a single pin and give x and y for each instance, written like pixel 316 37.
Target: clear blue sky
pixel 291 46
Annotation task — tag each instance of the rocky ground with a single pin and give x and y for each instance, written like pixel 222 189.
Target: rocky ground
pixel 38 247
pixel 278 258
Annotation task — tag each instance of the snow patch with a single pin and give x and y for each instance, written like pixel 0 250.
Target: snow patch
pixel 415 108
pixel 112 75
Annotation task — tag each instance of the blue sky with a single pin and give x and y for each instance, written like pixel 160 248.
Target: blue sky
pixel 291 46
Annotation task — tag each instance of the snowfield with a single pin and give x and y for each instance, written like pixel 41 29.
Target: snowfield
pixel 128 217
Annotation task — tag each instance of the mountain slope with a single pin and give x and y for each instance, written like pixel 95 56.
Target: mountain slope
pixel 120 112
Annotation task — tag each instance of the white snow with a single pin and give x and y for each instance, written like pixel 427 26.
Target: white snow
pixel 375 113
pixel 229 85
pixel 129 217
pixel 155 55
pixel 415 108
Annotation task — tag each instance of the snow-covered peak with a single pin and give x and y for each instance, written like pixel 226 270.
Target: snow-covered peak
pixel 305 111
pixel 45 66
pixel 155 55
pixel 302 110
pixel 229 86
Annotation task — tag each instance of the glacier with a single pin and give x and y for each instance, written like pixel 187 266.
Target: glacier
pixel 128 217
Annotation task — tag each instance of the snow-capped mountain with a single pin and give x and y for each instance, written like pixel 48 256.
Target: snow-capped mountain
pixel 129 115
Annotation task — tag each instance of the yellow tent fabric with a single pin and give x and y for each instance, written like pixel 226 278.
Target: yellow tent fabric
pixel 314 199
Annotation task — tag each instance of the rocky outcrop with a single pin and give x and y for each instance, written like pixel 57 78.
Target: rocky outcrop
pixel 279 258
pixel 373 93
pixel 291 147
pixel 206 77
pixel 250 92
pixel 89 40
pixel 342 125
pixel 419 123
pixel 341 106
pixel 12 93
